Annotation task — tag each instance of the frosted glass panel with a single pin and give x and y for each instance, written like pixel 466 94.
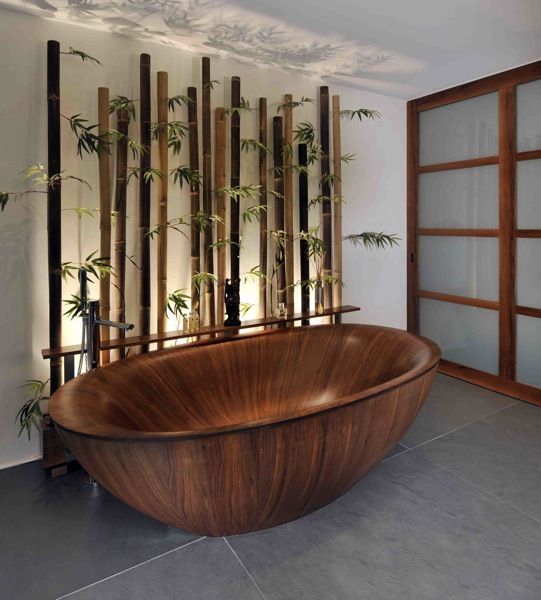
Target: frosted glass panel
pixel 529 116
pixel 529 272
pixel 465 334
pixel 463 198
pixel 529 350
pixel 529 194
pixel 465 266
pixel 466 129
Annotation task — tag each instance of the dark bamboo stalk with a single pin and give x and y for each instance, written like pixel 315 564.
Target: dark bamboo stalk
pixel 163 156
pixel 303 226
pixel 144 198
pixel 234 226
pixel 208 253
pixel 279 216
pixel 326 208
pixel 288 202
pixel 195 197
pixel 337 216
pixel 263 200
pixel 54 208
pixel 104 166
pixel 220 124
pixel 120 223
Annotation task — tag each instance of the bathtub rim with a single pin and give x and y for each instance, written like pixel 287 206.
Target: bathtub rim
pixel 127 435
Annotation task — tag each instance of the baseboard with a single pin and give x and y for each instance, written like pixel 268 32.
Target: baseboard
pixel 17 463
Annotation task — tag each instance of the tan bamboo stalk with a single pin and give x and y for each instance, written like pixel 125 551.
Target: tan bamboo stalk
pixel 104 174
pixel 163 165
pixel 208 254
pixel 279 215
pixel 263 215
pixel 144 197
pixel 119 312
pixel 195 197
pixel 288 202
pixel 220 124
pixel 337 216
pixel 326 207
pixel 54 214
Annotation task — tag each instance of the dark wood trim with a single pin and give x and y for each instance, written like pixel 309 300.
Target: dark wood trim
pixel 412 216
pixel 460 232
pixel 492 83
pixel 234 203
pixel 154 338
pixel 304 259
pixel 326 191
pixel 459 164
pixel 528 155
pixel 528 311
pixel 507 248
pixel 521 391
pixel 477 302
pixel 528 233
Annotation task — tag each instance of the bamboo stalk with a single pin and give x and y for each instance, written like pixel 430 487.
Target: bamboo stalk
pixel 54 208
pixel 104 174
pixel 326 208
pixel 279 215
pixel 195 197
pixel 288 202
pixel 234 207
pixel 337 216
pixel 219 182
pixel 120 224
pixel 163 165
pixel 263 215
pixel 208 254
pixel 144 198
pixel 303 226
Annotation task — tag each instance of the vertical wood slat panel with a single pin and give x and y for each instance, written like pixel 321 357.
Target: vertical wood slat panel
pixel 208 253
pixel 507 210
pixel 279 216
pixel 412 209
pixel 195 198
pixel 220 124
pixel 144 197
pixel 303 226
pixel 337 215
pixel 54 210
pixel 288 202
pixel 263 196
pixel 325 190
pixel 161 208
pixel 104 173
pixel 120 224
pixel 234 204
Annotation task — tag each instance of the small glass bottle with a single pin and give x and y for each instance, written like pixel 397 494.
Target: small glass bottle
pixel 319 302
pixel 281 310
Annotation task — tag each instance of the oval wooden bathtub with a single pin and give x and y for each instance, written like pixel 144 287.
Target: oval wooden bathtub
pixel 230 437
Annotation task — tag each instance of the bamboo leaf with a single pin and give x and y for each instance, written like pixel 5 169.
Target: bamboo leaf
pixel 371 239
pixel 179 100
pixel 248 144
pixel 82 55
pixel 295 103
pixel 176 303
pixel 184 174
pixel 245 307
pixel 347 158
pixel 253 212
pixel 240 191
pixel 29 415
pixel 244 106
pixel 74 306
pixel 305 133
pixel 123 103
pixel 209 85
pixel 360 113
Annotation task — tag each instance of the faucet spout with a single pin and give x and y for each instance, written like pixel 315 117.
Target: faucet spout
pixel 115 324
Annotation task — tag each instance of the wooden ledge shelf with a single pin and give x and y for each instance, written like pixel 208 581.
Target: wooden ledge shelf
pixel 205 330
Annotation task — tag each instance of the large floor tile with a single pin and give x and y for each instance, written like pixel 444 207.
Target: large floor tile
pixel 204 570
pixel 58 535
pixel 408 531
pixel 501 454
pixel 451 404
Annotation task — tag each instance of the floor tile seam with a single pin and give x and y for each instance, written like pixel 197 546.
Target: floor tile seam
pixel 234 552
pixel 131 568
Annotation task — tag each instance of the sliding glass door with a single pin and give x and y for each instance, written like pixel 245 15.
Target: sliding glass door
pixel 474 228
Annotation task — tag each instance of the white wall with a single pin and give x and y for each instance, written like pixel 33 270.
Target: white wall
pixel 374 187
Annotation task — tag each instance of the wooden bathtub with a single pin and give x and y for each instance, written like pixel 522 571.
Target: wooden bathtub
pixel 228 437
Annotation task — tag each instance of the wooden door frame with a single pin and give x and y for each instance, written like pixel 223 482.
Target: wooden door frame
pixel 505 85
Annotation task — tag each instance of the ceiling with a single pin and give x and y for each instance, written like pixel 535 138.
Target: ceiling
pixel 402 48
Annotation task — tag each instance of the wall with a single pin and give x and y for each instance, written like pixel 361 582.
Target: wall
pixel 374 188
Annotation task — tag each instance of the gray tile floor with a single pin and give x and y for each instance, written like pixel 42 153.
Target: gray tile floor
pixel 453 513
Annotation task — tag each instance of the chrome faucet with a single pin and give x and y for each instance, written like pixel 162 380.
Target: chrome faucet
pixel 92 322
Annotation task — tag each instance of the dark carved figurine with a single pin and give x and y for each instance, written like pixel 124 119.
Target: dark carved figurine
pixel 232 302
